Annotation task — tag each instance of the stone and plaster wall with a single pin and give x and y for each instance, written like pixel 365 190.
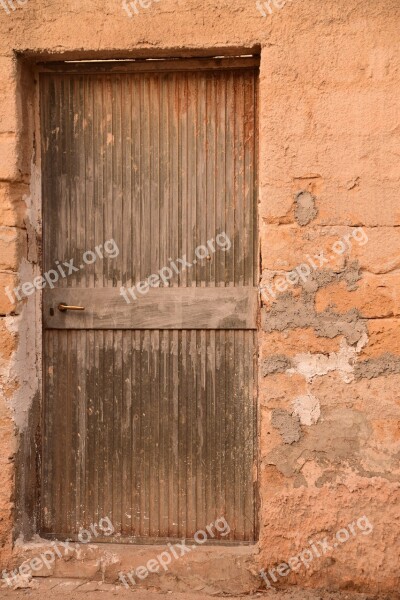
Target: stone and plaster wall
pixel 329 397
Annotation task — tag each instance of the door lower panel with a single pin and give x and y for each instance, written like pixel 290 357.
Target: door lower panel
pixel 157 434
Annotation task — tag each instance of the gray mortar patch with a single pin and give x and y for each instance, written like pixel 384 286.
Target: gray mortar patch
pixel 289 313
pixel 351 275
pixel 324 277
pixel 330 324
pixel 278 363
pixel 385 364
pixel 305 210
pixel 288 425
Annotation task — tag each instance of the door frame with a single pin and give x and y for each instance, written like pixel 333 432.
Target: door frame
pixel 144 65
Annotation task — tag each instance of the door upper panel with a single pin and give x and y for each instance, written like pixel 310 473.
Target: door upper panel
pixel 160 163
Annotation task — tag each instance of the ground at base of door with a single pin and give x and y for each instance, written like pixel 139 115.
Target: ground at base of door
pixel 76 589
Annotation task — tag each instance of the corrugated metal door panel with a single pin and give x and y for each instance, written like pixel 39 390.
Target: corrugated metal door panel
pixel 154 428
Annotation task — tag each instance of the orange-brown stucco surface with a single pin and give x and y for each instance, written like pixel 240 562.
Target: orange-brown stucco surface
pixel 329 122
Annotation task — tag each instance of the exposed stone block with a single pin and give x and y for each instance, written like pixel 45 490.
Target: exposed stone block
pixel 8 96
pixel 376 296
pixel 383 337
pixel 354 201
pixel 10 281
pixel 9 160
pixel 12 205
pixel 296 341
pixel 8 342
pixel 12 247
pixel 284 247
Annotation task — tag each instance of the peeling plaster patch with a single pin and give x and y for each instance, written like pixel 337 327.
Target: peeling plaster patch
pixel 23 366
pixel 278 363
pixel 385 364
pixel 305 210
pixel 316 365
pixel 287 425
pixel 307 408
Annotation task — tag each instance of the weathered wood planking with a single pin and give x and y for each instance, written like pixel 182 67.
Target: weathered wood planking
pixel 149 409
pixel 168 308
pixel 181 384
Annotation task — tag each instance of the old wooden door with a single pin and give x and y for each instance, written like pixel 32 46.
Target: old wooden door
pixel 149 410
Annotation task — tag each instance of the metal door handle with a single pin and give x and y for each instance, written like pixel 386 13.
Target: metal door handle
pixel 63 307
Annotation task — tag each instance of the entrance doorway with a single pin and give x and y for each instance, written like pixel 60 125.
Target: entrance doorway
pixel 149 184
